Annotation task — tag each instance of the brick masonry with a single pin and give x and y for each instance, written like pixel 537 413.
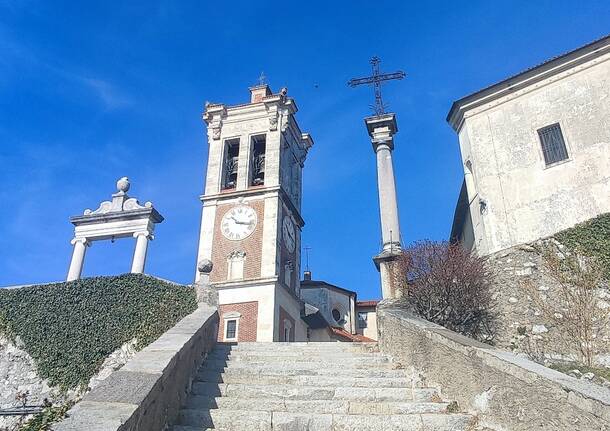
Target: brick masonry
pixel 247 322
pixel 251 245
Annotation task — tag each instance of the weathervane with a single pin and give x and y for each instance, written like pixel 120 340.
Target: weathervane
pixel 376 79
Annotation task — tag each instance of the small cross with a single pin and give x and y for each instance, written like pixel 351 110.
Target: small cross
pixel 376 79
pixel 262 79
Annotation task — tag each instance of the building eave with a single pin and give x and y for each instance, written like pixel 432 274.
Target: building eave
pixel 527 78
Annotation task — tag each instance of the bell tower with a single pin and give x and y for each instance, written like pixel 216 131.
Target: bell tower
pixel 251 219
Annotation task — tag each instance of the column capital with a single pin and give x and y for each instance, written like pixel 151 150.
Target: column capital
pixel 382 129
pixel 144 233
pixel 81 240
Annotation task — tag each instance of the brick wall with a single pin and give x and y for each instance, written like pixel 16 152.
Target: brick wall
pixel 285 316
pixel 247 321
pixel 251 245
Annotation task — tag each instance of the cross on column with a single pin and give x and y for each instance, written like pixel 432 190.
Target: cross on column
pixel 376 79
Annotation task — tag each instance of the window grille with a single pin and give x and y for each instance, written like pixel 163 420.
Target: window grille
pixel 553 146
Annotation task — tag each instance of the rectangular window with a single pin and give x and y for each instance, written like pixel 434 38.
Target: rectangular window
pixel 257 160
pixel 231 331
pixel 553 146
pixel 362 319
pixel 229 169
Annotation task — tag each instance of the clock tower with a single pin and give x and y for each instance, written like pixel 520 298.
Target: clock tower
pixel 251 219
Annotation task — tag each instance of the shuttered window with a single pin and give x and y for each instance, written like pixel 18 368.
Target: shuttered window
pixel 553 146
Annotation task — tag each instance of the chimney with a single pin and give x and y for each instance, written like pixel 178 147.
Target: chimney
pixel 307 275
pixel 258 92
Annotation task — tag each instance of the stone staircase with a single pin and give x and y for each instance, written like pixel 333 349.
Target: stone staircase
pixel 313 387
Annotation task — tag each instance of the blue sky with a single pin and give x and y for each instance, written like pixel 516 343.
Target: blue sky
pixel 91 93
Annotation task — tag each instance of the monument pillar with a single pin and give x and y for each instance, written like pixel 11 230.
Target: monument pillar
pixel 381 129
pixel 139 255
pixel 78 258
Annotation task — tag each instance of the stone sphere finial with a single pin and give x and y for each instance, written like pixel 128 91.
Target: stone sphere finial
pixel 284 91
pixel 122 185
pixel 205 266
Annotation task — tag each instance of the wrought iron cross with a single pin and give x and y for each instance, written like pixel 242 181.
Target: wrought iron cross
pixel 376 79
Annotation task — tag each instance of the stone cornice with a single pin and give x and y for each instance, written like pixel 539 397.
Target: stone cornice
pixel 529 80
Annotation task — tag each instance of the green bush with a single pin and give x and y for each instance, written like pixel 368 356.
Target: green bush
pixel 70 328
pixel 591 238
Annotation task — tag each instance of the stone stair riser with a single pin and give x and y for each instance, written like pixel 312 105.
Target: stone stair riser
pixel 258 379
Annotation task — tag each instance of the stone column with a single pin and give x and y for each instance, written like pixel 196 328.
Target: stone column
pixel 139 255
pixel 78 258
pixel 382 129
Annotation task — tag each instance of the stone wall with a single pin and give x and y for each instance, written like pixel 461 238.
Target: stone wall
pixel 505 391
pixel 18 375
pixel 146 394
pixel 521 324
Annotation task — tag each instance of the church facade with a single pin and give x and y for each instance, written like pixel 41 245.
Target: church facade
pixel 251 221
pixel 535 150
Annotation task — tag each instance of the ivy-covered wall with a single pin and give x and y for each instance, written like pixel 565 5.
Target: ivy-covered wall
pixel 70 328
pixel 591 238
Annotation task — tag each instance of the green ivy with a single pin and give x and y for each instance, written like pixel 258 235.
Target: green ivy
pixel 48 416
pixel 70 328
pixel 592 238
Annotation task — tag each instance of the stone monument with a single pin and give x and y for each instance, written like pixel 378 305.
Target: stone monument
pixel 119 218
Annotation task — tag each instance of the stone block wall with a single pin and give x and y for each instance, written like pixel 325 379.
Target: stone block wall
pixel 521 324
pixel 505 391
pixel 147 393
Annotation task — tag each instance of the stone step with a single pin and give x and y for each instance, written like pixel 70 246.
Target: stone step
pixel 324 380
pixel 296 370
pixel 251 420
pixel 218 364
pixel 313 355
pixel 340 359
pixel 294 347
pixel 197 404
pixel 288 392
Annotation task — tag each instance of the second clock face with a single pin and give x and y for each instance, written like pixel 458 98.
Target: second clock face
pixel 289 234
pixel 238 223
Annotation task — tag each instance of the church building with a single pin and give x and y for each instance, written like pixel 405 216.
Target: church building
pixel 251 228
pixel 535 151
pixel 251 219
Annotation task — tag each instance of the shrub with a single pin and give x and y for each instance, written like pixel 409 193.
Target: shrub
pixel 70 328
pixel 450 286
pixel 577 311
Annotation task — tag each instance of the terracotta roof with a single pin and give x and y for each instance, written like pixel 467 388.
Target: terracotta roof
pixel 357 338
pixel 369 303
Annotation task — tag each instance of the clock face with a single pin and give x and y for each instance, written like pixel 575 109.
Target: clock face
pixel 238 223
pixel 289 234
